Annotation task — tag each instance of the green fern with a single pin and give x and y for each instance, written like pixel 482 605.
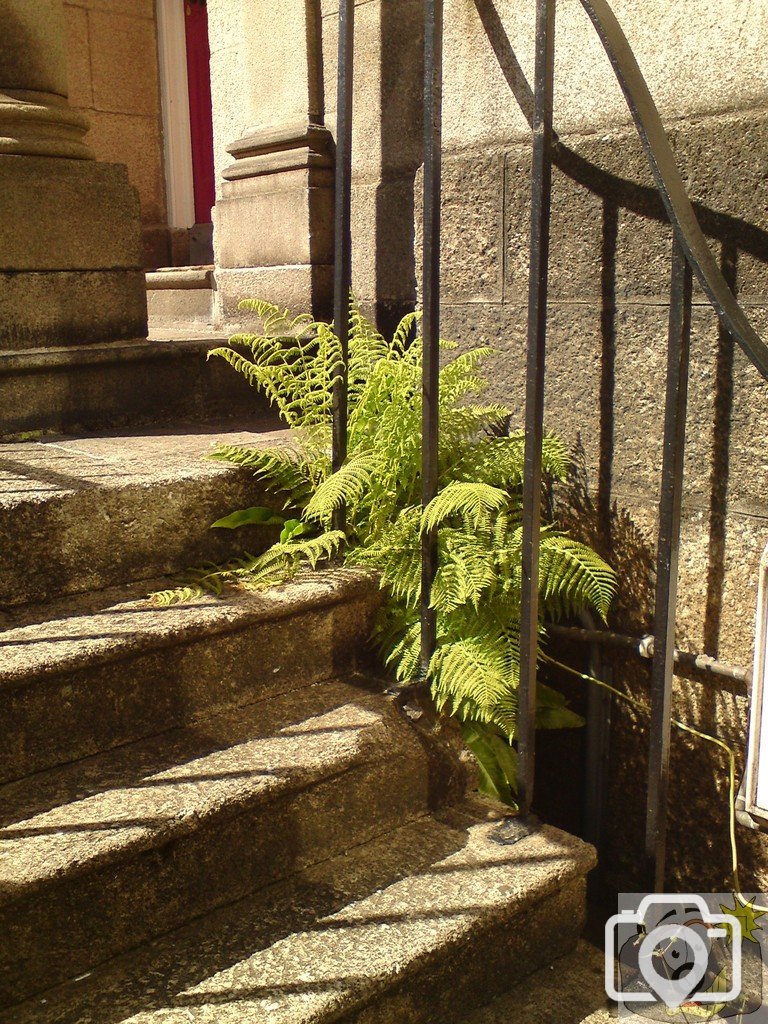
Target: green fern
pixel 477 512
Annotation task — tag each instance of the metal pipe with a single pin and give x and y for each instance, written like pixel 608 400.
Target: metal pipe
pixel 644 645
pixel 534 396
pixel 342 281
pixel 433 112
pixel 678 358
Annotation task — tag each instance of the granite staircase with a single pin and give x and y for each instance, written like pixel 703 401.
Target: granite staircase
pixel 213 812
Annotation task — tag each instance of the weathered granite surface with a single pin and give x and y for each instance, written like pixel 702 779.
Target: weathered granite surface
pixel 98 856
pixel 414 926
pixel 128 668
pixel 79 514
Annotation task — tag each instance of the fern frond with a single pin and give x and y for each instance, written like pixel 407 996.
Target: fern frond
pixel 178 595
pixel 341 487
pixel 572 576
pixel 500 461
pixel 475 503
pixel 404 332
pixel 274 320
pixel 397 635
pixel 285 471
pixel 470 669
pixel 460 376
pixel 466 572
pixel 477 588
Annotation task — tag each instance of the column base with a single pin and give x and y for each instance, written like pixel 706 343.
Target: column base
pixel 301 289
pixel 29 128
pixel 70 259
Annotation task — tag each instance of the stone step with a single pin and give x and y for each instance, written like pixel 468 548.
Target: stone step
pixel 82 514
pixel 569 991
pixel 117 671
pixel 180 295
pixel 416 926
pixel 112 384
pixel 102 855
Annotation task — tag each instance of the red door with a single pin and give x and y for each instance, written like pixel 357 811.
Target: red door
pixel 200 107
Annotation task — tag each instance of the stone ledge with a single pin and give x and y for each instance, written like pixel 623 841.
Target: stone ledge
pixel 30 653
pixel 282 148
pixel 67 308
pixel 85 513
pixel 281 137
pixel 165 380
pixel 182 278
pixel 170 307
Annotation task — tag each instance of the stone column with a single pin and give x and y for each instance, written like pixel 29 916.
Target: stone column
pixel 35 118
pixel 70 264
pixel 273 220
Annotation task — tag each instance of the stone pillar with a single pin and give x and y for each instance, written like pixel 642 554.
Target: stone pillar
pixel 273 220
pixel 35 118
pixel 70 264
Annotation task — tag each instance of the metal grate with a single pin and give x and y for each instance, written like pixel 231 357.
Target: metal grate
pixel 691 256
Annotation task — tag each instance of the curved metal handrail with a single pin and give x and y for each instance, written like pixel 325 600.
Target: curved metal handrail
pixel 670 183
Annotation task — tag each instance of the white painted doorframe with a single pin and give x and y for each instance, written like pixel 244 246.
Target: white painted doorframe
pixel 174 98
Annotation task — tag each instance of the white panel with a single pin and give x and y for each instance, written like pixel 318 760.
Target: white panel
pixel 757 757
pixel 174 95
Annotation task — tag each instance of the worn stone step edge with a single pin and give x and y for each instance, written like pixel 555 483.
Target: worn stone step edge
pixel 421 924
pixel 69 819
pixel 52 647
pixel 170 306
pixel 180 278
pixel 570 989
pixel 82 514
pixel 111 385
pixel 111 688
pixel 175 827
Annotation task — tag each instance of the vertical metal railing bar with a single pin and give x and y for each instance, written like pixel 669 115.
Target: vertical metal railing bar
pixel 534 399
pixel 678 359
pixel 433 110
pixel 342 281
pixel 598 740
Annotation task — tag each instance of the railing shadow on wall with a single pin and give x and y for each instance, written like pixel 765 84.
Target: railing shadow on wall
pixel 400 61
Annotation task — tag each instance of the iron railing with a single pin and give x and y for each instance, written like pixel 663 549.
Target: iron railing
pixel 342 278
pixel 691 257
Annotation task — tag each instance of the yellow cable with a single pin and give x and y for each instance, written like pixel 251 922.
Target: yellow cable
pixel 634 702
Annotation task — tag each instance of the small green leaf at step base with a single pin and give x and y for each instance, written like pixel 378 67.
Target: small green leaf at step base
pixel 552 711
pixel 249 517
pixel 558 718
pixel 496 760
pixel 292 528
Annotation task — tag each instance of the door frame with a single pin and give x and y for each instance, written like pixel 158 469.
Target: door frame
pixel 174 101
